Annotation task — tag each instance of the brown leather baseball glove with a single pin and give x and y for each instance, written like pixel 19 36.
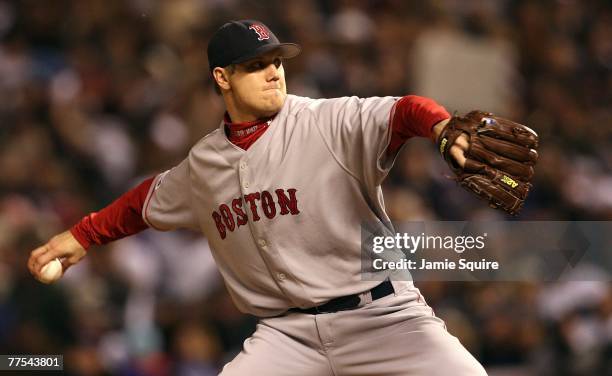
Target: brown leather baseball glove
pixel 500 158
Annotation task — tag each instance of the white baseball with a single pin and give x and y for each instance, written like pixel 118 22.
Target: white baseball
pixel 51 272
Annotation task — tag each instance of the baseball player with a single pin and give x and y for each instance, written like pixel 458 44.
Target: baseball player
pixel 280 190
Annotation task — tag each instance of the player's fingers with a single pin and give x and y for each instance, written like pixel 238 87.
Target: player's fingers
pixel 32 266
pixel 457 153
pixel 463 142
pixel 39 250
pixel 44 258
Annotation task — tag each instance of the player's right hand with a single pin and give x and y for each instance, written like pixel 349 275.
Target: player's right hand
pixel 63 246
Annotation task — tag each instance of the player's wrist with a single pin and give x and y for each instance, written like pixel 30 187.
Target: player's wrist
pixel 80 235
pixel 437 129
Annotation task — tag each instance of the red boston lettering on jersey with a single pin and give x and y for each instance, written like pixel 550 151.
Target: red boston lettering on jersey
pixel 267 204
pixel 287 203
pixel 250 198
pixel 261 31
pixel 227 216
pixel 241 217
pixel 219 224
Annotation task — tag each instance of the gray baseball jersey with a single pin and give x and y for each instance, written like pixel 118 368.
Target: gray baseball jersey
pixel 283 217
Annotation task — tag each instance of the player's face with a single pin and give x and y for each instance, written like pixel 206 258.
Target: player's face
pixel 258 85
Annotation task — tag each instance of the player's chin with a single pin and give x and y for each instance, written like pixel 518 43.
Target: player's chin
pixel 273 100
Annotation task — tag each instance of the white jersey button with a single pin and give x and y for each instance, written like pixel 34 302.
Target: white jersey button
pixel 281 276
pixel 246 184
pixel 243 165
pixel 262 242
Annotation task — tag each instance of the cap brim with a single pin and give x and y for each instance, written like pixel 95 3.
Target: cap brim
pixel 287 51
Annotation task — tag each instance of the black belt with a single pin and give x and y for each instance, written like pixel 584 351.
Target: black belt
pixel 347 302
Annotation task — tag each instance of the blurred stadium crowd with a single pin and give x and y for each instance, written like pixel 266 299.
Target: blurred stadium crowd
pixel 96 95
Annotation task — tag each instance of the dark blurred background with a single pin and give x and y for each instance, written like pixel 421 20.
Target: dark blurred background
pixel 97 95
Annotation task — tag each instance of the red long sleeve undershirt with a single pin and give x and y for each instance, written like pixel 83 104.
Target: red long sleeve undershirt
pixel 411 116
pixel 120 219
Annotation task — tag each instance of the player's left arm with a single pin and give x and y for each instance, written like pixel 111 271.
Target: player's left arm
pixel 365 134
pixel 492 157
pixel 416 116
pixel 458 149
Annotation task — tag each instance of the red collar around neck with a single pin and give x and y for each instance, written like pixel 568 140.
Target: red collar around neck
pixel 246 133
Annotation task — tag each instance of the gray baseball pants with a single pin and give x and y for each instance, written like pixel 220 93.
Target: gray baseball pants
pixel 394 335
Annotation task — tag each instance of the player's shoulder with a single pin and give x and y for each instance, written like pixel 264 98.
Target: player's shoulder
pixel 295 104
pixel 212 136
pixel 211 139
pixel 323 106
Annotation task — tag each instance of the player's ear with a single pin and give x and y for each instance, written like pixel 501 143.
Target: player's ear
pixel 221 76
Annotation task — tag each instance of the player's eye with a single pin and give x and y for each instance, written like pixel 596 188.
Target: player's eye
pixel 255 66
pixel 259 65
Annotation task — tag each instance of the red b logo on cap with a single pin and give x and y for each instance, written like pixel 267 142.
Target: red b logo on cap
pixel 261 31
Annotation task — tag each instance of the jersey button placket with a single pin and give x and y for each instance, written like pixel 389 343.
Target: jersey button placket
pixel 280 276
pixel 242 173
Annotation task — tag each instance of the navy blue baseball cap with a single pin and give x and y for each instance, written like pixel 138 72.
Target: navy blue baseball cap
pixel 239 41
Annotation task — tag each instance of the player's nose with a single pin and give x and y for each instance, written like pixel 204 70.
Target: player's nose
pixel 272 73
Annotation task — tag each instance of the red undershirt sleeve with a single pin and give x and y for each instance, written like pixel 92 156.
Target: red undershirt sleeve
pixel 413 116
pixel 120 219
